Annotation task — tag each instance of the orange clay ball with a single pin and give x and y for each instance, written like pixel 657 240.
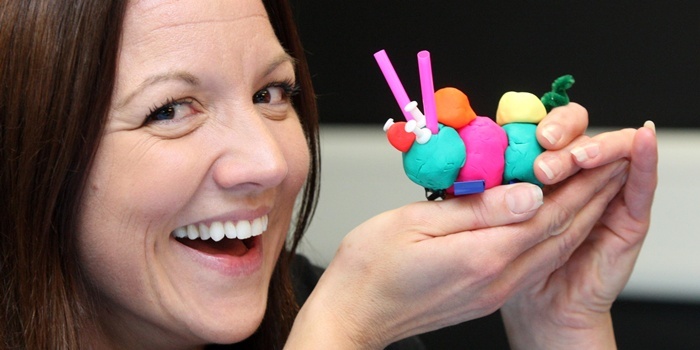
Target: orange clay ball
pixel 453 108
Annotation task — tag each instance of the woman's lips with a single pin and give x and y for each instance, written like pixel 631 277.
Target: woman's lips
pixel 231 247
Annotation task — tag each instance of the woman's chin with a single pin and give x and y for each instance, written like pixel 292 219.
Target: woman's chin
pixel 231 328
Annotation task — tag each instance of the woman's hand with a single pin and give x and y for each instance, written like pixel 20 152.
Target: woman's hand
pixel 570 307
pixel 432 264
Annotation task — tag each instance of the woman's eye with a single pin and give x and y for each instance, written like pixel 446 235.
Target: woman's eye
pixel 275 93
pixel 171 110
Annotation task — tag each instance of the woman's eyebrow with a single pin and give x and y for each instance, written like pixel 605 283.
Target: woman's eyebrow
pixel 191 80
pixel 182 76
pixel 278 61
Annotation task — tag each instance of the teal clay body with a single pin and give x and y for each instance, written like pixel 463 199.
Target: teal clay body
pixel 520 156
pixel 435 164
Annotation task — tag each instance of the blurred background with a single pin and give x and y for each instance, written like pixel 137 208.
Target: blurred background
pixel 632 61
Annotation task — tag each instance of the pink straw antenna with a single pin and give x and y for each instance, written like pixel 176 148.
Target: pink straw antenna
pixel 427 90
pixel 394 83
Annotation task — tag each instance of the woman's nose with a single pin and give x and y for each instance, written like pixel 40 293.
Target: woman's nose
pixel 253 158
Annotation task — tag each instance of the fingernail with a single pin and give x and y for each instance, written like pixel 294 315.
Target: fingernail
pixel 551 166
pixel 552 133
pixel 523 198
pixel 586 152
pixel 650 124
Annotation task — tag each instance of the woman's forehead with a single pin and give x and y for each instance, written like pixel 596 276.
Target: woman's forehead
pixel 162 37
pixel 150 15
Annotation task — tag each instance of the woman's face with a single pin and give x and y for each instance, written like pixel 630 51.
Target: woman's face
pixel 201 142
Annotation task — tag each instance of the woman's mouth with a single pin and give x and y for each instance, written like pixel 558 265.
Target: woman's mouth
pixel 233 238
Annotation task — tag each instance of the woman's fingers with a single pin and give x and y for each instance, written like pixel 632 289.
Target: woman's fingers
pixel 639 191
pixel 561 126
pixel 584 152
pixel 604 148
pixel 552 218
pixel 552 167
pixel 506 259
pixel 498 206
pixel 546 257
pixel 562 206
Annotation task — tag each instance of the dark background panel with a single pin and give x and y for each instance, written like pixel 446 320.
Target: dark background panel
pixel 632 60
pixel 639 325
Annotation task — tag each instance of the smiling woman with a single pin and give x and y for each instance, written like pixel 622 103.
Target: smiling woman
pixel 160 164
pixel 166 117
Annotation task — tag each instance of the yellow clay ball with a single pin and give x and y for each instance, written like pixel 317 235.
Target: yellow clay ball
pixel 520 107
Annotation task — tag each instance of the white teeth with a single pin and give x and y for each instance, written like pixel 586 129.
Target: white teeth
pixel 204 232
pixel 230 230
pixel 256 226
pixel 218 230
pixel 180 232
pixel 192 232
pixel 243 229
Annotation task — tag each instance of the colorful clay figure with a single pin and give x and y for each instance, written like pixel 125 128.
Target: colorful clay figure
pixel 452 150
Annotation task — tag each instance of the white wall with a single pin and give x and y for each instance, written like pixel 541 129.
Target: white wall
pixel 362 176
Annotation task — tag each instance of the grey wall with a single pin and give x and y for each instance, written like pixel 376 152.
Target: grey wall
pixel 363 176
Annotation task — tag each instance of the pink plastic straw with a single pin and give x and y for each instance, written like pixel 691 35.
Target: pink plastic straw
pixel 393 80
pixel 428 90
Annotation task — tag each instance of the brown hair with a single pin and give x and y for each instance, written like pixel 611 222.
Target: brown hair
pixel 57 72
